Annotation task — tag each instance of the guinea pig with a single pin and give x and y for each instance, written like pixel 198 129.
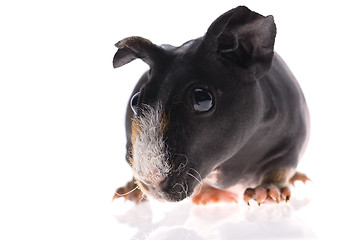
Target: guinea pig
pixel 219 111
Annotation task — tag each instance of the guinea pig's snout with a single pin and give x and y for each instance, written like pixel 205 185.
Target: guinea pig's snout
pixel 165 189
pixel 164 184
pixel 173 190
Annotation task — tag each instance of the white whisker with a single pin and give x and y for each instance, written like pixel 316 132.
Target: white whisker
pixel 186 189
pixel 198 180
pixel 124 194
pixel 181 166
pixel 199 175
pixel 142 198
pixel 195 178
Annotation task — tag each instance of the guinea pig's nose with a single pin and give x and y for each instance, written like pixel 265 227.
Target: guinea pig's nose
pixel 165 184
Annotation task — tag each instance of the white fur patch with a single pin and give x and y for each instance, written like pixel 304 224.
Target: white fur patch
pixel 150 155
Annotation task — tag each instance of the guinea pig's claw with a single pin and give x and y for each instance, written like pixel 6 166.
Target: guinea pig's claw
pixel 286 193
pixel 261 195
pixel 248 195
pixel 267 193
pixel 274 193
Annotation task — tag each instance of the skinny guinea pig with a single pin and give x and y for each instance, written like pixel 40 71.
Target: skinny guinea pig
pixel 219 111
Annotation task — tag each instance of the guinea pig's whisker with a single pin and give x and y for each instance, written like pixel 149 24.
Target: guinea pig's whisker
pixel 181 166
pixel 186 192
pixel 199 175
pixel 200 182
pixel 142 198
pixel 124 194
pixel 184 189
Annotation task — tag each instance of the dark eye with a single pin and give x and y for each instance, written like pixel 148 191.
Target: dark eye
pixel 134 103
pixel 202 100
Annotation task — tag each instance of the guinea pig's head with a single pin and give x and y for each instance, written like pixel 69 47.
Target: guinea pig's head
pixel 200 101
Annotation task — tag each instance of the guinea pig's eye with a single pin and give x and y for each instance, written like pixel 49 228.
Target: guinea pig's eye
pixel 202 100
pixel 134 103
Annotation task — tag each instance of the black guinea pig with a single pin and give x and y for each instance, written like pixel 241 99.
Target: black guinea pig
pixel 218 111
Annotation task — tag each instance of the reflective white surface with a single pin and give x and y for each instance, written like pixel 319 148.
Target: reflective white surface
pixel 154 220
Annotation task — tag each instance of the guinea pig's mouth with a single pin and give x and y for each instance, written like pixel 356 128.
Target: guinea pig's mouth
pixel 175 187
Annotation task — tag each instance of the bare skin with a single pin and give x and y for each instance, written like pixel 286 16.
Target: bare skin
pixel 209 194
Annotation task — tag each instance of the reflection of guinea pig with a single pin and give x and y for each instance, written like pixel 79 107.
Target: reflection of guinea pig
pixel 218 111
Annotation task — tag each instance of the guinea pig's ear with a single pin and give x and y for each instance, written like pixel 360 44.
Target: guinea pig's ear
pixel 137 47
pixel 245 38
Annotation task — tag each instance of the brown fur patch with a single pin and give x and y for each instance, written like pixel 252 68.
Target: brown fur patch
pixel 164 123
pixel 280 176
pixel 134 135
pixel 136 128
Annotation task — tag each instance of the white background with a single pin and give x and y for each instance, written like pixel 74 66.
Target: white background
pixel 62 111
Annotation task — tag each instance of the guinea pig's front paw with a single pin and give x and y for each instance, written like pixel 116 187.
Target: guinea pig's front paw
pixel 271 190
pixel 130 192
pixel 267 193
pixel 209 194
